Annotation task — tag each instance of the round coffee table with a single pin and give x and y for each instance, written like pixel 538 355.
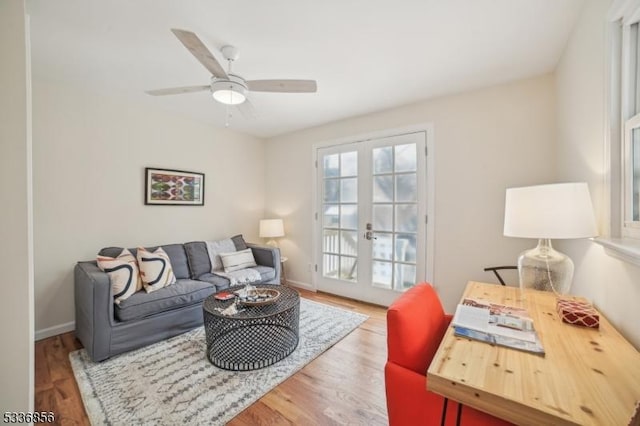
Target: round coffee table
pixel 258 336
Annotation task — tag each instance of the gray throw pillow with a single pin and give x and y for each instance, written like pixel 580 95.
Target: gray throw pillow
pixel 239 242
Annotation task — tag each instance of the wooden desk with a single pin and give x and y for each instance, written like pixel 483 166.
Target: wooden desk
pixel 588 376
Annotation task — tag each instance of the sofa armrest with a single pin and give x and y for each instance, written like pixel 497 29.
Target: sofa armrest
pixel 94 309
pixel 267 256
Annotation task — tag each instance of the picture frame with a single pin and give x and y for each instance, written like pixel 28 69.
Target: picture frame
pixel 167 187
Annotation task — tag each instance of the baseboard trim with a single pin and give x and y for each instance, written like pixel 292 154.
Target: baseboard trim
pixel 55 330
pixel 300 284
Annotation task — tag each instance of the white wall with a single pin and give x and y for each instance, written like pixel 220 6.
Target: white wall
pixel 485 141
pixel 89 156
pixel 16 257
pixel 613 285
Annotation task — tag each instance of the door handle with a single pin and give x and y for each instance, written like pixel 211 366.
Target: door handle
pixel 369 235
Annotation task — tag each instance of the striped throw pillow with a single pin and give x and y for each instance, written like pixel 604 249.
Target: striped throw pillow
pixel 237 260
pixel 155 269
pixel 123 274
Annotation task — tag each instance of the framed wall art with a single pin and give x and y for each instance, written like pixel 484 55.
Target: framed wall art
pixel 173 187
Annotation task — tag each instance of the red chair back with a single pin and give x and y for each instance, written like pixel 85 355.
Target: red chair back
pixel 416 323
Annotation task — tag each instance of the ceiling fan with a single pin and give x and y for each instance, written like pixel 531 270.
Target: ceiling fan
pixel 226 87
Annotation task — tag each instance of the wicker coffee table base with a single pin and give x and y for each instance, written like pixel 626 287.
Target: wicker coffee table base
pixel 255 338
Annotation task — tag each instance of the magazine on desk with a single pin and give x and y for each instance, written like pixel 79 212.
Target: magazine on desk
pixel 502 325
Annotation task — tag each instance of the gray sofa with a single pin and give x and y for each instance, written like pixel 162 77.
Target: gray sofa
pixel 106 329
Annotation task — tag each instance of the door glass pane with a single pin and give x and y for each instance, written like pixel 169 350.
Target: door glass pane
pixel 330 241
pixel 349 216
pixel 348 270
pixel 382 189
pixel 349 243
pixel 382 160
pixel 405 276
pixel 331 215
pixel 331 165
pixel 382 246
pixel 395 214
pixel 383 217
pixel 331 264
pixel 406 160
pixel 406 188
pixel 349 190
pixel 406 218
pixel 382 273
pixel 340 215
pixel 349 164
pixel 405 248
pixel 331 190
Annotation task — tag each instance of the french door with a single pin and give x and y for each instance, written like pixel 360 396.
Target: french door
pixel 371 218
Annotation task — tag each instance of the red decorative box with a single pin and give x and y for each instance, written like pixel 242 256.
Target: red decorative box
pixel 578 313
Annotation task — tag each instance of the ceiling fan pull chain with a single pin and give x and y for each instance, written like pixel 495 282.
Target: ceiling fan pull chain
pixel 228 116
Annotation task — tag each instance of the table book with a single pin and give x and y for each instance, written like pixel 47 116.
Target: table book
pixel 496 324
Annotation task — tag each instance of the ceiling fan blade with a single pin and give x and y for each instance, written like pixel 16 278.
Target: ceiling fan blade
pixel 287 86
pixel 247 110
pixel 177 90
pixel 200 51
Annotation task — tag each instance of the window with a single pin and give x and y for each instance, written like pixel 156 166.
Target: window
pixel 623 62
pixel 625 119
pixel 630 108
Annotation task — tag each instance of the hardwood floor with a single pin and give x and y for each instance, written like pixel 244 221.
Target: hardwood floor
pixel 344 385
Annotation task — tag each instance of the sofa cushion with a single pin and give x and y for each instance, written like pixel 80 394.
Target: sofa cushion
pixel 183 293
pixel 198 258
pixel 266 272
pixel 114 251
pixel 178 258
pixel 155 269
pixel 123 274
pixel 237 260
pixel 175 252
pixel 238 241
pixel 216 280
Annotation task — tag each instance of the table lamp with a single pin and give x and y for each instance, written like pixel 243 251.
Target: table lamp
pixel 545 212
pixel 271 228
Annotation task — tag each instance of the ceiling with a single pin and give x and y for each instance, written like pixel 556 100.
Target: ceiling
pixel 366 55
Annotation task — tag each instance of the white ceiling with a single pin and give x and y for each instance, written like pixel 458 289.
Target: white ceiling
pixel 366 55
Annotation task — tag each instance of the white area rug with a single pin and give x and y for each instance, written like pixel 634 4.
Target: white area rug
pixel 172 382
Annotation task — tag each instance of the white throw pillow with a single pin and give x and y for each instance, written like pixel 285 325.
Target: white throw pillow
pixel 155 269
pixel 237 260
pixel 123 274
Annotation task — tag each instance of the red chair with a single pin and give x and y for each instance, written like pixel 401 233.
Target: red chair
pixel 416 324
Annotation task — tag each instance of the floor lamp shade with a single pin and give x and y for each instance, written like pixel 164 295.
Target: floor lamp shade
pixel 545 212
pixel 271 228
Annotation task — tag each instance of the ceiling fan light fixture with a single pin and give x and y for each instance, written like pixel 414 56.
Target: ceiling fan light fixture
pixel 229 97
pixel 229 92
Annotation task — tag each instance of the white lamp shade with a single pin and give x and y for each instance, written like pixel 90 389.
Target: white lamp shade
pixel 556 211
pixel 271 228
